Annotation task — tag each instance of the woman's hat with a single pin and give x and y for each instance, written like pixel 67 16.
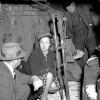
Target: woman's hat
pixel 41 35
pixel 11 51
pixel 67 3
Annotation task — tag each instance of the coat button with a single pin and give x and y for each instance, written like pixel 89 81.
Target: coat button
pixel 90 24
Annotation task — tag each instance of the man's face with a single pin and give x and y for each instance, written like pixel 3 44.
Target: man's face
pixel 44 43
pixel 16 63
pixel 71 8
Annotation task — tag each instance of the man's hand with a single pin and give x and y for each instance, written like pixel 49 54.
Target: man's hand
pixel 37 82
pixel 79 54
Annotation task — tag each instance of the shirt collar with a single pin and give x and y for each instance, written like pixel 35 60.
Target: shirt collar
pixel 10 68
pixel 45 53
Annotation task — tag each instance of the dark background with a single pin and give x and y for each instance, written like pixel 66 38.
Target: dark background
pixel 95 7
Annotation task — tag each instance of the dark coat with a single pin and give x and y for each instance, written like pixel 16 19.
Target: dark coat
pixel 82 31
pixel 38 64
pixel 11 89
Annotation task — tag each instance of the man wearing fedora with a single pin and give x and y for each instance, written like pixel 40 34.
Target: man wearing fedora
pixel 13 84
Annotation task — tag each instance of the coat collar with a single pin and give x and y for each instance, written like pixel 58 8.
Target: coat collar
pixel 4 66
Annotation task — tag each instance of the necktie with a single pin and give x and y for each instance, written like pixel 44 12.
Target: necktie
pixel 14 75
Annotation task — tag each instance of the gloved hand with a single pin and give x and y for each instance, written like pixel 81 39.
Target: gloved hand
pixel 79 54
pixel 91 91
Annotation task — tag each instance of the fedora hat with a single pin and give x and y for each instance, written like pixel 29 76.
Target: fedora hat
pixel 11 51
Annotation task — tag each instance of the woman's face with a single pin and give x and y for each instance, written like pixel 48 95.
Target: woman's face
pixel 44 43
pixel 71 7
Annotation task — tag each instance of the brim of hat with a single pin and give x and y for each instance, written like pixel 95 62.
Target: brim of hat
pixel 22 55
pixel 44 36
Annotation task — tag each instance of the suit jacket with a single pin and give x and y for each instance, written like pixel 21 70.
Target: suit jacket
pixel 11 89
